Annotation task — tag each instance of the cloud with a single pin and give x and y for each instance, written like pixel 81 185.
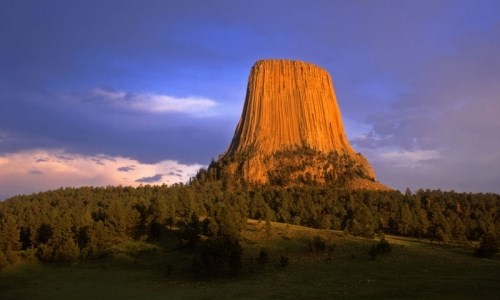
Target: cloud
pixel 62 157
pixel 428 83
pixel 126 169
pixel 81 124
pixel 151 179
pixel 24 171
pixel 177 173
pixel 442 130
pixel 371 140
pixel 407 159
pixel 157 103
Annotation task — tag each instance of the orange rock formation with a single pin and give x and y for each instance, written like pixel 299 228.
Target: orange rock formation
pixel 289 104
pixel 291 131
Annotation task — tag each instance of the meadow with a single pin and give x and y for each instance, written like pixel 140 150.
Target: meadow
pixel 414 269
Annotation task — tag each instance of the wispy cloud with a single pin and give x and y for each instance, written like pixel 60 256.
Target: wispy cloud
pixel 157 103
pixel 24 171
pixel 407 159
pixel 126 168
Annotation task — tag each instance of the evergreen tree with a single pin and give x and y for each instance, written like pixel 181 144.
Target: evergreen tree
pixel 9 241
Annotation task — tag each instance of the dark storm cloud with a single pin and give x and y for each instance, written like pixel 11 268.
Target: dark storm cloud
pixel 151 179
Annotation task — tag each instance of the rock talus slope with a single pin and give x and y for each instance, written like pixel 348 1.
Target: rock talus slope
pixel 291 131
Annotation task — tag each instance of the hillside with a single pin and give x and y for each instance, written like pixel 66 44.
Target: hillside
pixel 344 269
pixel 194 240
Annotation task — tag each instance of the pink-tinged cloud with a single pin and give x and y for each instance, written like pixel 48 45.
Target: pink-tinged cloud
pixel 157 103
pixel 44 169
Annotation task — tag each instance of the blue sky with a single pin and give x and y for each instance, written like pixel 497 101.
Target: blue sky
pixel 130 92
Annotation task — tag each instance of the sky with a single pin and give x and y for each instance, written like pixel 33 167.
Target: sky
pixel 147 92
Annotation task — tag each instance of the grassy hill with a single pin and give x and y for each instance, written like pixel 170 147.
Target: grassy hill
pixel 344 269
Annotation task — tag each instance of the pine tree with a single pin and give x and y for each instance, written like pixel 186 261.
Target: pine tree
pixel 9 241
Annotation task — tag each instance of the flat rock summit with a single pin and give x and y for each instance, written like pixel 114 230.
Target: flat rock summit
pixel 291 132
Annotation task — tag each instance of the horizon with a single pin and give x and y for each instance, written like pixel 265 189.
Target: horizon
pixel 130 93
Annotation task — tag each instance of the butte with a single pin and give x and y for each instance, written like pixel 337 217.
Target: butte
pixel 291 133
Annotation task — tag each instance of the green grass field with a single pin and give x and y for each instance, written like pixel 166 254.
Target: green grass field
pixel 412 270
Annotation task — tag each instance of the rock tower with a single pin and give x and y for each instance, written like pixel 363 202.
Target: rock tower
pixel 291 132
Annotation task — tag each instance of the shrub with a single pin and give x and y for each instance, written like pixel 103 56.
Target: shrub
pixel 283 261
pixel 263 257
pixel 58 251
pixel 318 244
pixel 488 246
pixel 190 235
pixel 221 256
pixel 382 247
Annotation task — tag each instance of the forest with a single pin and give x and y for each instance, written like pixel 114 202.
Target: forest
pixel 71 224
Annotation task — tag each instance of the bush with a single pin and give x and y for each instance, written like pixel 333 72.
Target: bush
pixel 318 244
pixel 221 256
pixel 190 235
pixel 488 246
pixel 382 247
pixel 263 257
pixel 58 251
pixel 283 261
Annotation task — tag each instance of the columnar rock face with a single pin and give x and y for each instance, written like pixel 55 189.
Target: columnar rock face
pixel 289 104
pixel 291 132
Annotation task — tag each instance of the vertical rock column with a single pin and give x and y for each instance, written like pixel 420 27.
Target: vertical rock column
pixel 289 104
pixel 291 129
